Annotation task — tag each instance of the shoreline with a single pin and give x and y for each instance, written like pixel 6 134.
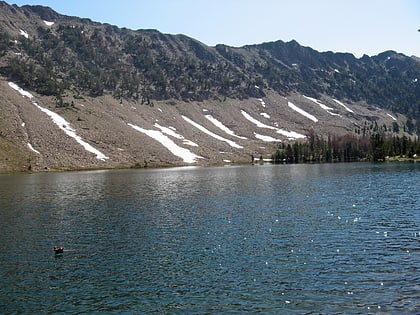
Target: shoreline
pixel 395 159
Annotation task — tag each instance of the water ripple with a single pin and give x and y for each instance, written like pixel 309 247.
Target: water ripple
pixel 291 239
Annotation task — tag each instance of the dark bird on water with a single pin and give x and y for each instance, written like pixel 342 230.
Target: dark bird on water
pixel 58 250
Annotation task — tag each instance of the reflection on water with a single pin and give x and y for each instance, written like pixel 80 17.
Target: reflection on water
pixel 289 239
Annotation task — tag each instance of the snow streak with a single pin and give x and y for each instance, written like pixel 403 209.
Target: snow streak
pixel 176 150
pixel 219 125
pixel 61 123
pixel 302 112
pixel 201 128
pixel 324 107
pixel 288 134
pixel 346 108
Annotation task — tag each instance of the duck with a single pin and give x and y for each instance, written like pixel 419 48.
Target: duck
pixel 58 249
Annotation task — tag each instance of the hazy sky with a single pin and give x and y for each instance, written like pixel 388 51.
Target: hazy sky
pixel 355 26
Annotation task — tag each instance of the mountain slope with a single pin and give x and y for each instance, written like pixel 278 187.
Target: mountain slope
pixel 147 98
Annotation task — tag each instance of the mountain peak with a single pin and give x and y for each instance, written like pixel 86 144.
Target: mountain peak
pixel 45 13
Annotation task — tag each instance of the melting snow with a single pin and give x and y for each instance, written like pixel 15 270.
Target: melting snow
pixel 171 132
pixel 346 108
pixel 324 107
pixel 231 143
pixel 256 122
pixel 23 33
pixel 219 125
pixel 32 148
pixel 65 126
pixel 190 143
pixel 302 112
pixel 183 153
pixel 61 123
pixel 20 90
pixel 392 117
pixel 262 102
pixel 49 23
pixel 266 138
pixel 288 134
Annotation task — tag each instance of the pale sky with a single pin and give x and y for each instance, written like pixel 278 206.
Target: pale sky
pixel 356 26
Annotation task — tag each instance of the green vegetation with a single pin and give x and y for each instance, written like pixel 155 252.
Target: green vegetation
pixel 349 148
pixel 126 64
pixel 83 58
pixel 80 57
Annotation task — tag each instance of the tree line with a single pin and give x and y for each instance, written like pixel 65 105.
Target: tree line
pixel 347 148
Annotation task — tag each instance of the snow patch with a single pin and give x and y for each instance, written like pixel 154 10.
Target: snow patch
pixel 256 122
pixel 20 90
pixel 32 148
pixel 49 23
pixel 65 126
pixel 183 153
pixel 266 138
pixel 392 117
pixel 262 102
pixel 222 127
pixel 323 106
pixel 288 134
pixel 170 131
pixel 302 112
pixel 190 143
pixel 61 123
pixel 231 143
pixel 345 107
pixel 265 115
pixel 23 33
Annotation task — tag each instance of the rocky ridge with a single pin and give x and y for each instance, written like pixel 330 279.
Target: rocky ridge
pixel 142 98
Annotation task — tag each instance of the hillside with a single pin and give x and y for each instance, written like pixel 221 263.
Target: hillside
pixel 80 94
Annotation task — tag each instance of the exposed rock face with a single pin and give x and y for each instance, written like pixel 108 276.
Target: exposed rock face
pixel 77 94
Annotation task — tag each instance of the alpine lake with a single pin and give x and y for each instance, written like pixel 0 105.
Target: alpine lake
pixel 268 239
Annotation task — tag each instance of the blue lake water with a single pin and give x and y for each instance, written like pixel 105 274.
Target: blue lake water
pixel 284 239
